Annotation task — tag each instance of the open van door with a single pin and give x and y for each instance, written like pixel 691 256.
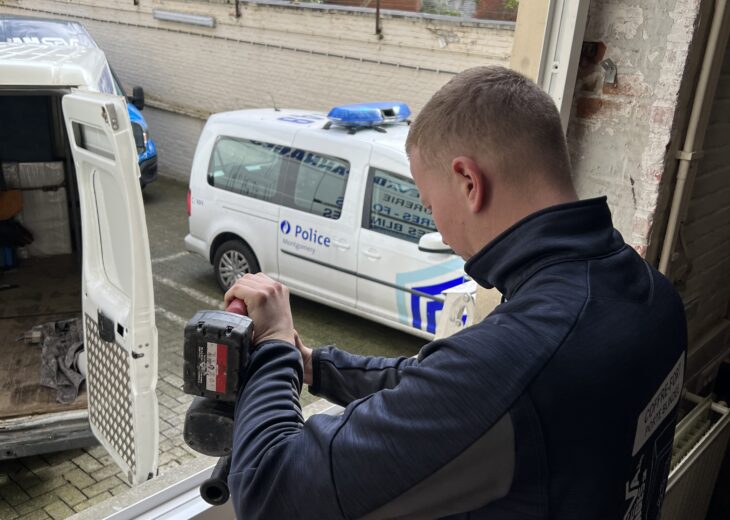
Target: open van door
pixel 117 296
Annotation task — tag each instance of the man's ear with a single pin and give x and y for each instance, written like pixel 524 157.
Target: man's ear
pixel 472 182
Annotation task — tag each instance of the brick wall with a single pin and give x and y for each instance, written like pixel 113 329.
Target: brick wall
pixel 495 10
pixel 400 5
pixel 176 137
pixel 306 56
pixel 624 139
pixel 620 134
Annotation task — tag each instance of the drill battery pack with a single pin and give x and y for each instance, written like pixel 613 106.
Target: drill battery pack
pixel 216 352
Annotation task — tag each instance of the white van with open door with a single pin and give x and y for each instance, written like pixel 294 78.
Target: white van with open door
pixel 67 154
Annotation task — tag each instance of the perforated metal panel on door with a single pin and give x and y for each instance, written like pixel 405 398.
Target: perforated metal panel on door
pixel 109 388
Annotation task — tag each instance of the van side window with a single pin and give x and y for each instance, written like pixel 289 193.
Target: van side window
pixel 396 208
pixel 320 183
pixel 250 168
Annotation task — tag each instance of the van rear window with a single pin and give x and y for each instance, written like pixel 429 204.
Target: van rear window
pixel 246 167
pixel 314 183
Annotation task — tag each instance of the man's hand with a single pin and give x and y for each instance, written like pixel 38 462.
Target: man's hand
pixel 267 302
pixel 306 353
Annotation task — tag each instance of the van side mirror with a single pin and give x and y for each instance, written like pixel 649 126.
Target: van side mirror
pixel 433 243
pixel 137 97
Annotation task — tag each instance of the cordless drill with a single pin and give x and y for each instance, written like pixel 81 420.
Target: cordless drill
pixel 216 354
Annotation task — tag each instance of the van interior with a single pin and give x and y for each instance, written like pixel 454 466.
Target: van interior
pixel 40 282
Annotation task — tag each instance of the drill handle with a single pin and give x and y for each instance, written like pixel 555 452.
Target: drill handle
pixel 237 307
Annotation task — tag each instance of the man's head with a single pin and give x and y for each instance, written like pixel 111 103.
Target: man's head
pixel 486 150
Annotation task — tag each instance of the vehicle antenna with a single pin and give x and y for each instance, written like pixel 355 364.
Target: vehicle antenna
pixel 273 102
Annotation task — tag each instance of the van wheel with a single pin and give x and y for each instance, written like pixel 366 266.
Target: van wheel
pixel 232 260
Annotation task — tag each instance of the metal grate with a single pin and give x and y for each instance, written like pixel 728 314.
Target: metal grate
pixel 109 386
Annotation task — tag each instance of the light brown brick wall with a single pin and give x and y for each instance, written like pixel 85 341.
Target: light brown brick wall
pixel 310 57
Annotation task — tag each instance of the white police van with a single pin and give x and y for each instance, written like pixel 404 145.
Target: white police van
pixel 325 204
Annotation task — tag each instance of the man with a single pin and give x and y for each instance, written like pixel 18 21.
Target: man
pixel 560 404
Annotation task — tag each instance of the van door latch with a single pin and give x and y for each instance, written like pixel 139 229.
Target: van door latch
pixel 106 327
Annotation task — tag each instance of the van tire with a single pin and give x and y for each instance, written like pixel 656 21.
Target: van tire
pixel 232 260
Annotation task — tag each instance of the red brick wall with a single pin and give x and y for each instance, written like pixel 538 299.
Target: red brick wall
pixel 399 5
pixel 494 10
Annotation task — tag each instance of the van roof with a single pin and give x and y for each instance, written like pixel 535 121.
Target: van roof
pixel 290 121
pixel 23 65
pixel 46 31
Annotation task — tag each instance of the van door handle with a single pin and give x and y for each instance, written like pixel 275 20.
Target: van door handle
pixel 371 253
pixel 341 244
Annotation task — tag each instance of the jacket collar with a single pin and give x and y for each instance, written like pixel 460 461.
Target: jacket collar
pixel 561 233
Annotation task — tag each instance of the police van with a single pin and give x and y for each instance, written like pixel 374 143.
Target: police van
pixel 325 203
pixel 70 182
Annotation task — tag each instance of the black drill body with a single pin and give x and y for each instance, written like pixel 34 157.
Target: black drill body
pixel 216 353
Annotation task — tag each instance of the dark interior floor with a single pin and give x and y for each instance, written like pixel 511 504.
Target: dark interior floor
pixel 39 290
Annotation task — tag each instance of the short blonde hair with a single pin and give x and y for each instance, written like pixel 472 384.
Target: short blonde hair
pixel 499 118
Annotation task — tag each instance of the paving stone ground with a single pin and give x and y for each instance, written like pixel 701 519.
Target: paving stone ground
pixel 57 485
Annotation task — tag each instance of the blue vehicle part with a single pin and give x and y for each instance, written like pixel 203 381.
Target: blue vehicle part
pixel 146 148
pixel 369 114
pixel 429 281
pixel 433 306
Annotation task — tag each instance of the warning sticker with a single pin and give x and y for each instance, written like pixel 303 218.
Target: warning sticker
pixel 661 405
pixel 216 368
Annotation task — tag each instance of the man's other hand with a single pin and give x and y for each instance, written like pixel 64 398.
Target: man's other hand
pixel 267 302
pixel 306 353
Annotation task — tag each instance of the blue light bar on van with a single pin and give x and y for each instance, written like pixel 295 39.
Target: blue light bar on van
pixel 369 114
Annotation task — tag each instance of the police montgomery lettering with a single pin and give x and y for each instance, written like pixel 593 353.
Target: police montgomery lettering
pixel 311 235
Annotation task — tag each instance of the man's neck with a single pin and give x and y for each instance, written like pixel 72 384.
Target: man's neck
pixel 509 208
